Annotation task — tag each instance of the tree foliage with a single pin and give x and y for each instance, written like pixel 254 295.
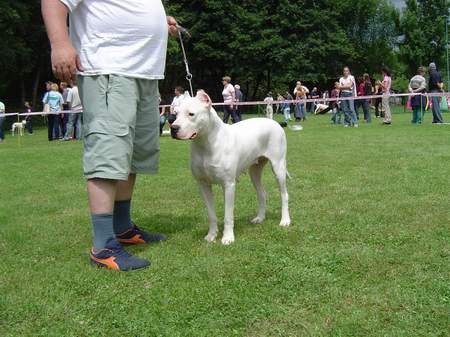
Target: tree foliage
pixel 423 26
pixel 262 44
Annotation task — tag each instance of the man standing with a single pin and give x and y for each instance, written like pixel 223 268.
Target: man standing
pixel 64 118
pixel 435 85
pixel 119 50
pixel 2 118
pixel 73 130
pixel 180 96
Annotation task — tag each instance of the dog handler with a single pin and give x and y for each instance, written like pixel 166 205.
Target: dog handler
pixel 118 49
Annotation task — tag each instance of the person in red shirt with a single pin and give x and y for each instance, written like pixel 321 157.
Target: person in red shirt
pixel 364 89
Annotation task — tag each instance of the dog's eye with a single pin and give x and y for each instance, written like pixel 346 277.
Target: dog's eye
pixel 191 114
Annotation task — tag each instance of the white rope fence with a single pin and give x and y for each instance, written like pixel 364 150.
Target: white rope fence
pixel 255 103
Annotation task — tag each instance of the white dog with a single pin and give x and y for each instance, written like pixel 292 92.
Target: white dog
pixel 19 126
pixel 221 152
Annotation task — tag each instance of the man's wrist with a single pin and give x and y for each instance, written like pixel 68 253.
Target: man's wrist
pixel 62 43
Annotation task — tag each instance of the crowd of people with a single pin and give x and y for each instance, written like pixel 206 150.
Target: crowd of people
pixel 67 126
pixel 56 101
pixel 59 99
pixel 345 111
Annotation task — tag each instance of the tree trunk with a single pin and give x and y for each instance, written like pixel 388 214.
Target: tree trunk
pixel 255 89
pixel 37 79
pixel 23 93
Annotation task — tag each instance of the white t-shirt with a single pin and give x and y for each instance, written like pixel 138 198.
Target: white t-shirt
pixel 305 91
pixel 2 108
pixel 74 97
pixel 349 81
pixel 119 37
pixel 227 93
pixel 176 102
pixel 268 100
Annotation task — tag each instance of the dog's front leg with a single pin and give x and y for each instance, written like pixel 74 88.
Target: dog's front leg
pixel 229 189
pixel 208 197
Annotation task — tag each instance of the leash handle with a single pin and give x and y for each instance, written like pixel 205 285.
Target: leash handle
pixel 181 31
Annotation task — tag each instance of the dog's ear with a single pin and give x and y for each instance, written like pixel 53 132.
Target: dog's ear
pixel 203 97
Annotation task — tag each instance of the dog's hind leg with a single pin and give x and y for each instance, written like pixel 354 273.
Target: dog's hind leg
pixel 229 189
pixel 208 197
pixel 255 172
pixel 280 171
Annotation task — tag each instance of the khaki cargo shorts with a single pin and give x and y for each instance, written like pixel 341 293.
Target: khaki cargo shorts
pixel 120 126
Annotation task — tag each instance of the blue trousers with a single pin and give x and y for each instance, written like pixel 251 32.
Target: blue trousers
pixel 227 112
pixel 299 111
pixel 348 108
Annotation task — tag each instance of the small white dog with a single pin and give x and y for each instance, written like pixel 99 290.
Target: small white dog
pixel 221 152
pixel 19 126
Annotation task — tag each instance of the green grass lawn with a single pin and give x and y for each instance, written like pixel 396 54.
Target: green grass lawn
pixel 368 253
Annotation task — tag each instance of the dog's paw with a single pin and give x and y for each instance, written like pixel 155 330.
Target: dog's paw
pixel 257 220
pixel 285 222
pixel 211 237
pixel 228 240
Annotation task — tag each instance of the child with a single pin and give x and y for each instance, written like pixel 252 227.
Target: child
pixel 286 108
pixel 336 118
pixel 269 107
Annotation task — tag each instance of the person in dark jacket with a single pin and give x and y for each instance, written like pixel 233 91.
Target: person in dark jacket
pixel 435 85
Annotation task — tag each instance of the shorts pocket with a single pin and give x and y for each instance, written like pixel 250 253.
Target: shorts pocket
pixel 106 128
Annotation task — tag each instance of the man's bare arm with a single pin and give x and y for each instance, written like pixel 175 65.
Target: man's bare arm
pixel 65 60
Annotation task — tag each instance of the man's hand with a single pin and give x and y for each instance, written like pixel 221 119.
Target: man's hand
pixel 65 62
pixel 172 23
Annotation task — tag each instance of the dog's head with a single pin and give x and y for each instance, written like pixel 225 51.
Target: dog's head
pixel 24 122
pixel 193 117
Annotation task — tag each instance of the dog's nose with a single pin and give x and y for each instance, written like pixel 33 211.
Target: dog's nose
pixel 174 130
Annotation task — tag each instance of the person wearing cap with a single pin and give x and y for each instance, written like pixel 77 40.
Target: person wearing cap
pixel 417 85
pixel 435 85
pixel 229 98
pixel 239 98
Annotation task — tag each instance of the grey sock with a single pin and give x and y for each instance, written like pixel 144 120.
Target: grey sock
pixel 102 225
pixel 122 217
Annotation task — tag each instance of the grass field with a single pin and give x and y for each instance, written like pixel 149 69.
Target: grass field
pixel 368 253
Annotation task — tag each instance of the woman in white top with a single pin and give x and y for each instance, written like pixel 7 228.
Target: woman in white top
pixel 347 87
pixel 229 98
pixel 386 87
